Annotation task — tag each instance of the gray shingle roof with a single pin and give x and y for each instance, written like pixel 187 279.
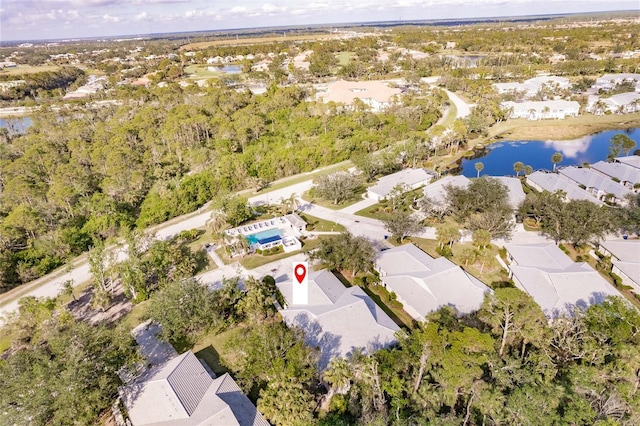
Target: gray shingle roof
pixel 436 192
pixel 631 160
pixel 621 171
pixel 554 281
pixel 592 179
pixel 408 177
pixel 339 323
pixel 552 182
pixel 424 284
pixel 516 193
pixel 182 392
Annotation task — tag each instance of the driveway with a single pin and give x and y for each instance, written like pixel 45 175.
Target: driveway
pixel 367 202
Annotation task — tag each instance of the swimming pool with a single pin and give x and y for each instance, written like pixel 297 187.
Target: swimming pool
pixel 264 237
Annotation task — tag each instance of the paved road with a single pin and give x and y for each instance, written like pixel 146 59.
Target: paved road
pixel 464 109
pixel 274 197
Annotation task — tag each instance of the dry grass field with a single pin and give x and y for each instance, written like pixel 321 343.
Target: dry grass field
pixel 570 128
pixel 28 69
pixel 231 41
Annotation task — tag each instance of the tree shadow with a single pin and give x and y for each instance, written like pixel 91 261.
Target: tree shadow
pixel 211 356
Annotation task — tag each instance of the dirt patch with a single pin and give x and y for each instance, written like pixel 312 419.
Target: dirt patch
pixel 82 311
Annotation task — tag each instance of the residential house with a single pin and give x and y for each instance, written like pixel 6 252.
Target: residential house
pixel 627 175
pixel 424 284
pixel 184 392
pixel 436 191
pixel 530 88
pixel 631 161
pixel 601 187
pixel 407 179
pixel 552 182
pixel 377 95
pixel 622 103
pixel 556 283
pixel 337 320
pixel 609 81
pixel 514 186
pixel 541 110
pixel 625 257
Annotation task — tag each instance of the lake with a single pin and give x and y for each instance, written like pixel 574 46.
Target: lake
pixel 498 158
pixel 15 125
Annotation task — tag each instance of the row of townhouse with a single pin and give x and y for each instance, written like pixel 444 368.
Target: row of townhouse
pixel 612 182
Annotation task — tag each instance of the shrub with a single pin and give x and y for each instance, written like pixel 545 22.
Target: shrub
pixel 445 251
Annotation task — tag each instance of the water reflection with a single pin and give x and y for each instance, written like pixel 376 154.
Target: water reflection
pixel 498 159
pixel 571 148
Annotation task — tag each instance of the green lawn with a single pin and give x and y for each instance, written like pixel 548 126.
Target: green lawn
pixel 344 57
pixel 452 112
pixel 321 225
pixel 329 204
pixel 200 71
pixel 393 308
pixel 212 348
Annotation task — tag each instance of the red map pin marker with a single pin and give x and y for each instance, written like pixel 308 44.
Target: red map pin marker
pixel 300 271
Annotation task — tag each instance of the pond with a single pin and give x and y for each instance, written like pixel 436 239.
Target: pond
pixel 498 158
pixel 15 125
pixel 467 61
pixel 229 69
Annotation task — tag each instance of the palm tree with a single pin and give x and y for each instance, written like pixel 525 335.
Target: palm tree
pixel 518 167
pixel 528 170
pixel 289 204
pixel 479 167
pixel 555 159
pixel 338 375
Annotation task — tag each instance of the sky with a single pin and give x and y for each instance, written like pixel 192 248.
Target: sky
pixel 64 19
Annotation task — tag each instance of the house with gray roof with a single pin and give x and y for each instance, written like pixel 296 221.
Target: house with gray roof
pixel 183 392
pixel 424 284
pixel 337 320
pixel 407 179
pixel 552 182
pixel 556 283
pixel 514 186
pixel 624 173
pixel 437 191
pixel 630 160
pixel 593 182
pixel 625 257
pixel 532 86
pixel 609 81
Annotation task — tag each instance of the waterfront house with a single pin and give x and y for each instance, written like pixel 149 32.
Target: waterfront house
pixel 541 110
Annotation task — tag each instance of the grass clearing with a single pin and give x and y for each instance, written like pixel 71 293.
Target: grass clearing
pixel 212 348
pixel 288 181
pixel 328 204
pixel 452 113
pixel 390 306
pixel 236 41
pixel 569 128
pixel 492 274
pixel 28 69
pixel 321 225
pixel 344 58
pixel 201 71
pixel 137 315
